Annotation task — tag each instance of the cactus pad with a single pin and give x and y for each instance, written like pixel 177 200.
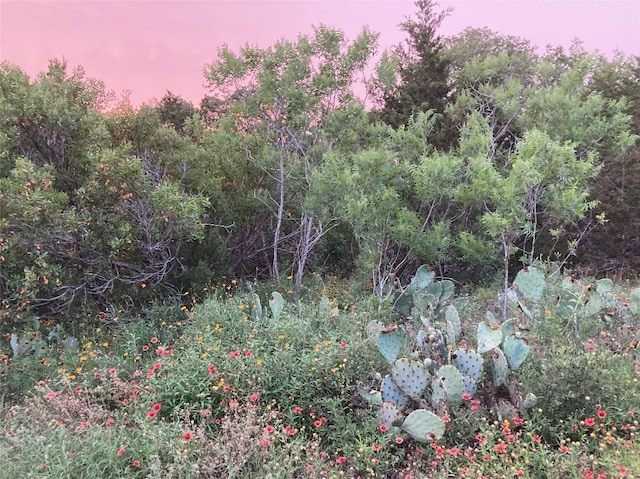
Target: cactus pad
pixel 634 303
pixel 256 308
pixel 374 398
pixel 530 283
pixel 516 349
pixel 388 414
pixel 276 304
pixel 529 401
pixel 448 385
pixel 411 376
pixel 423 426
pixel 453 327
pixel 604 285
pixel 390 341
pixel 500 368
pixel 392 393
pixel 593 305
pixel 488 337
pixel 469 363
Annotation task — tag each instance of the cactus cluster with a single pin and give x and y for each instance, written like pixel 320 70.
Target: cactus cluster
pixel 437 371
pixel 35 343
pixel 259 312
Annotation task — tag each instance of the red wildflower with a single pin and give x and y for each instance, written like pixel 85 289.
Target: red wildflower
pixel 563 449
pixel 254 397
pixel 235 354
pixel 248 354
pixel 341 460
pixel 157 366
pixel 602 414
pixel 317 423
pixel 519 473
pixel 145 348
pixel 151 414
pixel 187 436
pixel 121 451
pixel 343 345
pixel 466 396
pixel 589 421
pixel 376 447
pixel 212 369
pixel 154 340
pixel 399 440
pixel 297 410
pixel 268 428
pixel 156 407
pixel 136 463
pixel 502 447
pixel 536 438
pixel 384 427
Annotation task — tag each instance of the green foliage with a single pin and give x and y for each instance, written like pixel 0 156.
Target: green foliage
pixel 82 219
pixel 414 77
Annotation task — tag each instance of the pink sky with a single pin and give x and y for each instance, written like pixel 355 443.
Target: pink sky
pixel 149 47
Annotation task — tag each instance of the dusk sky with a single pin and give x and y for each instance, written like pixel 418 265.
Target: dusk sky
pixel 149 47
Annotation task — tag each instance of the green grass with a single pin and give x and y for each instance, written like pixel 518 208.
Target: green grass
pixel 209 392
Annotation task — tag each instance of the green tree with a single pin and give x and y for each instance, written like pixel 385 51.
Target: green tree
pixel 417 72
pixel 282 102
pixel 615 246
pixel 531 142
pixel 84 219
pixel 174 110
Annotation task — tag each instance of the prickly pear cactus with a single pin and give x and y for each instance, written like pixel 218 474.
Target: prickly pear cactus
pixel 448 386
pixel 27 344
pixel 529 401
pixel 499 368
pixel 489 337
pixel 530 283
pixel 276 304
pixel 421 280
pixel 634 303
pixel 373 397
pixel 515 349
pixel 412 377
pixel 592 305
pixel 390 342
pixel 469 363
pixel 423 426
pixel 392 393
pixel 257 313
pixel 453 328
pixel 387 414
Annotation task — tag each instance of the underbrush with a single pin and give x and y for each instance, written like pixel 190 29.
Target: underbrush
pixel 212 390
